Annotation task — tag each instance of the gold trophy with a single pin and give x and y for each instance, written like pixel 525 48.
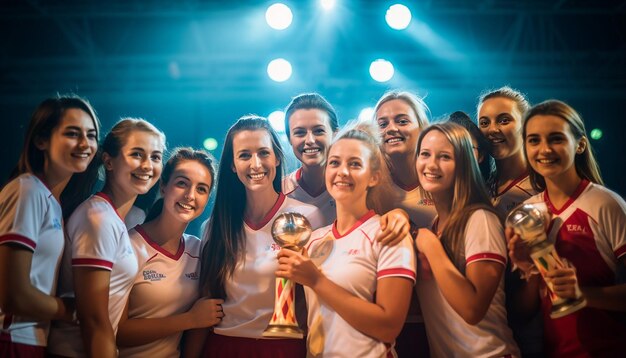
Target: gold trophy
pixel 530 223
pixel 291 231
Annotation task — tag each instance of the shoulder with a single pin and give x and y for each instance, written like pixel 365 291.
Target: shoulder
pixel 26 187
pixel 290 182
pixel 484 216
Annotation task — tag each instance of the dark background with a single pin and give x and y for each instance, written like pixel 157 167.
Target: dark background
pixel 193 67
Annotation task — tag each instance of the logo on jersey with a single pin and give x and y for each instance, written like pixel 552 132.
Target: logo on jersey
pixel 273 247
pixel 351 252
pixel 427 202
pixel 575 228
pixel 56 223
pixel 192 275
pixel 151 275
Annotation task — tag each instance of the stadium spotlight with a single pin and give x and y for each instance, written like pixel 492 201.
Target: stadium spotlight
pixel 381 70
pixel 278 16
pixel 398 17
pixel 277 120
pixel 210 143
pixel 327 4
pixel 366 114
pixel 279 70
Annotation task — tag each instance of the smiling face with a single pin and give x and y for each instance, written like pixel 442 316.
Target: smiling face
pixel 187 192
pixel 310 135
pixel 348 172
pixel 254 159
pixel 399 127
pixel 500 120
pixel 138 165
pixel 436 163
pixel 551 147
pixel 72 144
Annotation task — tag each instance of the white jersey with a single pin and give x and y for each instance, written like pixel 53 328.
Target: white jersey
pixel 448 334
pixel 589 230
pixel 513 195
pixel 324 202
pixel 135 216
pixel 31 217
pixel 354 261
pixel 166 285
pixel 97 238
pixel 413 200
pixel 250 292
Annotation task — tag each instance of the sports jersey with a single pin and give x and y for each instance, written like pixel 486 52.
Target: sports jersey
pixel 135 217
pixel 354 261
pixel 97 238
pixel 513 195
pixel 324 202
pixel 448 334
pixel 30 216
pixel 165 286
pixel 413 200
pixel 250 292
pixel 589 231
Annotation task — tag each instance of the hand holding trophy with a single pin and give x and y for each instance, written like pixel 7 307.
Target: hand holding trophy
pixel 529 222
pixel 291 231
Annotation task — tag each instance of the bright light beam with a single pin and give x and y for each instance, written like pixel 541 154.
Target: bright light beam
pixel 398 17
pixel 279 70
pixel 278 16
pixel 381 70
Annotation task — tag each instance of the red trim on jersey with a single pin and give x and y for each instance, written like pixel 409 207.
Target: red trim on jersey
pixel 108 200
pixel 358 223
pixel 514 183
pixel 400 271
pixel 308 246
pixel 181 245
pixel 405 187
pixel 546 198
pixel 18 239
pixel 268 216
pixel 486 256
pixel 93 263
pixel 621 251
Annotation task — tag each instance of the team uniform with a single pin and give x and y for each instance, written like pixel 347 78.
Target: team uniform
pixel 513 195
pixel 355 262
pixel 412 340
pixel 135 216
pixel 590 232
pixel 31 217
pixel 167 285
pixel 448 334
pixel 324 202
pixel 250 291
pixel 97 238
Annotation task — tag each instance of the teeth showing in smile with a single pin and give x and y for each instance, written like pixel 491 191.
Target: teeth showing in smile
pixel 497 140
pixel 546 161
pixel 394 140
pixel 145 177
pixel 311 151
pixel 258 176
pixel 431 176
pixel 80 155
pixel 342 184
pixel 185 206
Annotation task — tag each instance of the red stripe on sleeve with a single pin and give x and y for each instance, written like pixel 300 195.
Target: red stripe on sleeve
pixel 621 251
pixel 486 256
pixel 93 263
pixel 18 239
pixel 396 272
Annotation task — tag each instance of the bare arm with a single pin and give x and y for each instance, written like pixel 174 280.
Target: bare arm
pixel 193 343
pixel 394 226
pixel 92 302
pixel 138 331
pixel 382 319
pixel 17 294
pixel 471 295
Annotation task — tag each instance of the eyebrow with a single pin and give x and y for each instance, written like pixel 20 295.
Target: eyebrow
pixel 79 128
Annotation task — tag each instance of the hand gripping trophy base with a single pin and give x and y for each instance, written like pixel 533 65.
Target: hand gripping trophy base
pixel 291 231
pixel 567 307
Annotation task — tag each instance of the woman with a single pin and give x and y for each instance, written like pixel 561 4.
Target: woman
pixel 358 290
pixel 61 142
pixel 588 229
pixel 463 287
pixel 239 257
pixel 164 299
pixel 311 123
pixel 99 265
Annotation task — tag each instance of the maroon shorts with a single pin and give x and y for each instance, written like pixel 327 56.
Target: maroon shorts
pixel 218 346
pixel 10 349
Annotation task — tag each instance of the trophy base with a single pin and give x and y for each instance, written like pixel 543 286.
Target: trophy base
pixel 283 331
pixel 567 307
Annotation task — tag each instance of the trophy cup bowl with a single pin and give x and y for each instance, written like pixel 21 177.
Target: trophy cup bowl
pixel 530 223
pixel 291 231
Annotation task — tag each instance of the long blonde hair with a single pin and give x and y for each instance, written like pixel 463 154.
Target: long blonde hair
pixel 470 192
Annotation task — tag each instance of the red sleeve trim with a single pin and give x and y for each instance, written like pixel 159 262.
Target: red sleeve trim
pixel 396 272
pixel 621 251
pixel 18 239
pixel 486 256
pixel 93 263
